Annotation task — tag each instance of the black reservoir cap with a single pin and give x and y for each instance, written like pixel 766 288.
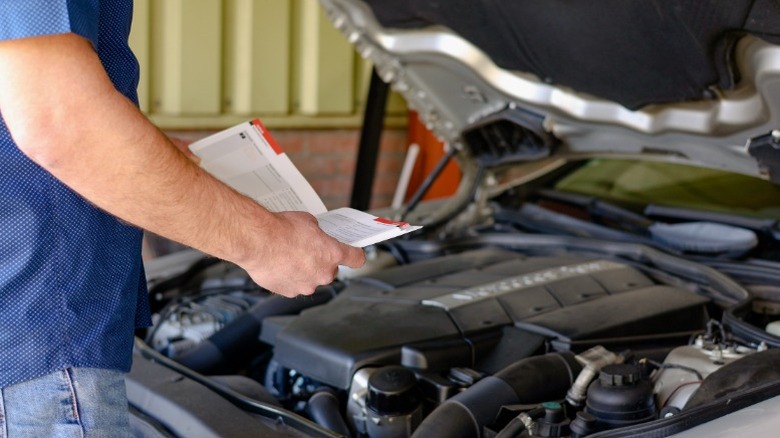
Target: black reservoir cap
pixel 392 390
pixel 619 375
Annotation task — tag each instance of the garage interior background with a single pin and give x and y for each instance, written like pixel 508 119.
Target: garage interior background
pixel 210 64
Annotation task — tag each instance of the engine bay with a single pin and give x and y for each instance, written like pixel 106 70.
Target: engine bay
pixel 497 330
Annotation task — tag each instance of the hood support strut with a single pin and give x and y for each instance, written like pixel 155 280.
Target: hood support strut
pixel 368 148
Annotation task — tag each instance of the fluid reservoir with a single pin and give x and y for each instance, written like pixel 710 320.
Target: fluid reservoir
pixel 620 397
pixel 394 402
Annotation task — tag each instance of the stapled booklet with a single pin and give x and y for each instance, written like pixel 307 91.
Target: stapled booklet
pixel 248 159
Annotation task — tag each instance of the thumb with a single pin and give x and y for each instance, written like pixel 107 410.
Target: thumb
pixel 353 257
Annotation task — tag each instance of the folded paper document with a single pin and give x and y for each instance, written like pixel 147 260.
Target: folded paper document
pixel 248 159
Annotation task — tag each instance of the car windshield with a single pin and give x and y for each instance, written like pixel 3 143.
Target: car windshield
pixel 637 184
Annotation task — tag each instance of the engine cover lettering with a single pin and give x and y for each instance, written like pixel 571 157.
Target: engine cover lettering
pixel 490 290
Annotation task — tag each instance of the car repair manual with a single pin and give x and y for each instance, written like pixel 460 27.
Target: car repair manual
pixel 248 159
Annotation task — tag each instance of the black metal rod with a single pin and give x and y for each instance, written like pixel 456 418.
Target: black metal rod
pixel 368 148
pixel 428 182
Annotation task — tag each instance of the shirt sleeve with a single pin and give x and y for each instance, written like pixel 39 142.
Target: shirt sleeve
pixel 29 18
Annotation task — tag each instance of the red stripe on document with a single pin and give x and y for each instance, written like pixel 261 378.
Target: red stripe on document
pixel 267 136
pixel 382 220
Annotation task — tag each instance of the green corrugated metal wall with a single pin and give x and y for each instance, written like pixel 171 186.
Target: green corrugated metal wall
pixel 212 63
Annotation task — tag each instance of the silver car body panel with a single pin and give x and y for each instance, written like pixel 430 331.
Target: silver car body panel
pixel 453 85
pixel 760 419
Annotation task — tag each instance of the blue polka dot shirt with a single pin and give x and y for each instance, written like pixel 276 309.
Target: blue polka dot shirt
pixel 72 288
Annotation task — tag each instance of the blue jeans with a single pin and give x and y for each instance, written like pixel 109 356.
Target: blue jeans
pixel 75 402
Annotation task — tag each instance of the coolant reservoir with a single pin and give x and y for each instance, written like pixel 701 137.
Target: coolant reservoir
pixel 685 368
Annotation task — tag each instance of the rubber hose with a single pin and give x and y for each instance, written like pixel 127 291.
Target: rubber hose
pixel 323 409
pixel 531 380
pixel 513 429
pixel 231 342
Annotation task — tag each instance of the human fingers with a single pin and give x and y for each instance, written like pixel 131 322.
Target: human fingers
pixel 184 146
pixel 292 292
pixel 353 257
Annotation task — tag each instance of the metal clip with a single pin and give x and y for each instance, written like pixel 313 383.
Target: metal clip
pixel 766 150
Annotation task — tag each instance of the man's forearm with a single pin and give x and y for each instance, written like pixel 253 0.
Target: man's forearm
pixel 94 140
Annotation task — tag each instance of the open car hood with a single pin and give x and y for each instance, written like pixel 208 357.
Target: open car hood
pixel 687 82
pixel 551 295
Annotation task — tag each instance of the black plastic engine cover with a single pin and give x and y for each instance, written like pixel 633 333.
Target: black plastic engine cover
pixel 454 311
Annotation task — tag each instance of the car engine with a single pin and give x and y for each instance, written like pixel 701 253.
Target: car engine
pixel 497 332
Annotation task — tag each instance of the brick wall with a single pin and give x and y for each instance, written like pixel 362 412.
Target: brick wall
pixel 327 159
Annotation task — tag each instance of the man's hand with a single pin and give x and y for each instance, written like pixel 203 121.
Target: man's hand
pixel 298 256
pixel 184 147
